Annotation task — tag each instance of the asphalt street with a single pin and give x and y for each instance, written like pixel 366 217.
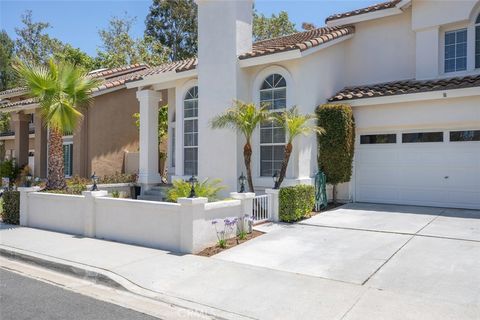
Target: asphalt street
pixel 26 298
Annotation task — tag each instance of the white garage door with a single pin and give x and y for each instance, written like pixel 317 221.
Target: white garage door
pixel 442 174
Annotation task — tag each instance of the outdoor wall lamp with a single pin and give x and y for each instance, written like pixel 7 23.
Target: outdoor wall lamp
pixel 242 179
pixel 28 179
pixel 192 182
pixel 94 180
pixel 275 179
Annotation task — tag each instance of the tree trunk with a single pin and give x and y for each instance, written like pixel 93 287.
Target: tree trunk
pixel 334 194
pixel 247 156
pixel 283 170
pixel 56 175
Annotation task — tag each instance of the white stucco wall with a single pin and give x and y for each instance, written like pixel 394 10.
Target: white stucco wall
pixel 381 50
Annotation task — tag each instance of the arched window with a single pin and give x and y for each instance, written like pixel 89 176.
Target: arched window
pixel 273 95
pixel 477 42
pixel 190 132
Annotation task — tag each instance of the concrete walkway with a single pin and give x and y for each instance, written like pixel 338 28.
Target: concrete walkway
pixel 335 289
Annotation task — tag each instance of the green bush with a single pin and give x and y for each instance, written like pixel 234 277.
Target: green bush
pixel 8 169
pixel 117 178
pixel 11 207
pixel 336 146
pixel 207 189
pixel 296 202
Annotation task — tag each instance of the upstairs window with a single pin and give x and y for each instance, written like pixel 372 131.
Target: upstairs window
pixel 456 50
pixel 477 42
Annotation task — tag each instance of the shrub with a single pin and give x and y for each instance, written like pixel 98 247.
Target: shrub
pixel 11 207
pixel 115 194
pixel 207 189
pixel 336 146
pixel 8 169
pixel 117 178
pixel 296 202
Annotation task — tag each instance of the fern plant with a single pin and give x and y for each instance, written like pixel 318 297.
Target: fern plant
pixel 206 188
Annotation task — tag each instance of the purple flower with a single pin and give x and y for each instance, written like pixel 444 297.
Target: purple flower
pixel 214 221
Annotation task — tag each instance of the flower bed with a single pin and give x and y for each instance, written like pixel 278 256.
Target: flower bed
pixel 230 243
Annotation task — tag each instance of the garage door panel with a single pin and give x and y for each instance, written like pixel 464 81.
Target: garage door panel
pixel 434 174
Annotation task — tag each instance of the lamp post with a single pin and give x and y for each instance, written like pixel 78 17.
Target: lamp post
pixel 94 180
pixel 242 179
pixel 192 181
pixel 275 179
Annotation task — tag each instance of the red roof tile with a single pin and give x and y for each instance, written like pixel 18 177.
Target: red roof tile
pixel 375 7
pixel 405 87
pixel 301 41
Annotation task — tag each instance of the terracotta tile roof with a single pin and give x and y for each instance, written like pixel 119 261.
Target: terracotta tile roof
pixel 375 7
pixel 24 102
pixel 405 87
pixel 112 78
pixel 12 91
pixel 176 66
pixel 114 72
pixel 301 41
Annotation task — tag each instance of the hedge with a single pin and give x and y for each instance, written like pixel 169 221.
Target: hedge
pixel 296 202
pixel 336 146
pixel 11 207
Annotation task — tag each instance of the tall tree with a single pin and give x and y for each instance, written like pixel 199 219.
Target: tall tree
pixel 294 124
pixel 74 56
pixel 33 43
pixel 7 74
pixel 174 24
pixel 272 27
pixel 119 48
pixel 243 118
pixel 62 91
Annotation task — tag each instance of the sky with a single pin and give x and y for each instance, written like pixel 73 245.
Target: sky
pixel 78 21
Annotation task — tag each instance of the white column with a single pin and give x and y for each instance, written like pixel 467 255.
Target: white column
pixel 89 229
pixel 148 164
pixel 274 203
pixel 24 191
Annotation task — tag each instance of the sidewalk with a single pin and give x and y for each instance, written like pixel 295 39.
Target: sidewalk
pixel 220 288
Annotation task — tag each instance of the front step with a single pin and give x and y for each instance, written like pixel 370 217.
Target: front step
pixel 151 198
pixel 155 193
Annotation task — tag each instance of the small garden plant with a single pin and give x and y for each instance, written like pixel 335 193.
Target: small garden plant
pixel 229 228
pixel 206 188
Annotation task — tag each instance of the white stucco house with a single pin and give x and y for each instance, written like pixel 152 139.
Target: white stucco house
pixel 410 69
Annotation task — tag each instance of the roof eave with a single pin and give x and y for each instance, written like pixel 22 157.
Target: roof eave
pixel 17 108
pixel 411 97
pixel 368 16
pixel 161 78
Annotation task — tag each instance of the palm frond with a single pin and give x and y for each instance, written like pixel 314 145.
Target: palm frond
pixel 241 117
pixel 296 124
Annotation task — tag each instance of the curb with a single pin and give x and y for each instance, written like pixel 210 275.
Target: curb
pixel 113 280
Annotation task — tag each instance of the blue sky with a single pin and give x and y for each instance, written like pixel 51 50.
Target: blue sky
pixel 78 22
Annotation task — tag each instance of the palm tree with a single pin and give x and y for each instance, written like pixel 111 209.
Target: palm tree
pixel 243 118
pixel 294 124
pixel 62 90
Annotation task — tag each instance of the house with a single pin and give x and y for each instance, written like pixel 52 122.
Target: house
pixel 106 141
pixel 410 69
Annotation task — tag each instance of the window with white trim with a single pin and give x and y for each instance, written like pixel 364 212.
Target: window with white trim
pixel 68 159
pixel 477 42
pixel 190 132
pixel 273 95
pixel 456 50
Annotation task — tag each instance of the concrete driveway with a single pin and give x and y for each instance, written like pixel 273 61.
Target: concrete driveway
pixel 429 257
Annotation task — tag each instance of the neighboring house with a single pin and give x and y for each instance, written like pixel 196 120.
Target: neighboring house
pixel 105 142
pixel 409 69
